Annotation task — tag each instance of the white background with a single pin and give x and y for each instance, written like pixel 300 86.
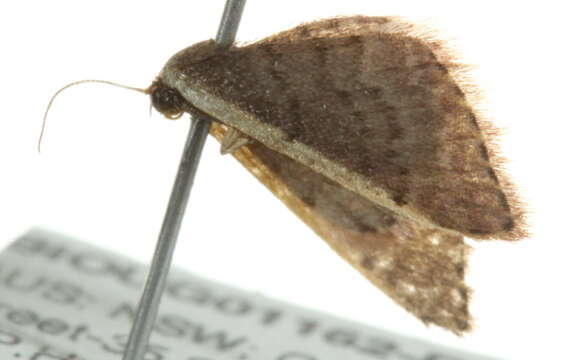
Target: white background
pixel 107 167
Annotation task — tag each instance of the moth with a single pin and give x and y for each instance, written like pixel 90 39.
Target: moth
pixel 368 130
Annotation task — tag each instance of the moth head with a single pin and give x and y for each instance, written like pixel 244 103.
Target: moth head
pixel 166 99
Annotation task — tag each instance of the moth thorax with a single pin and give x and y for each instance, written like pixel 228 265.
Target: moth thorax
pixel 166 100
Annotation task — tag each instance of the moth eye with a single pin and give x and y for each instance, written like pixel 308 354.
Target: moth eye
pixel 167 100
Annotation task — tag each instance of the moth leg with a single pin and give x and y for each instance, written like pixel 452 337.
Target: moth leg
pixel 233 140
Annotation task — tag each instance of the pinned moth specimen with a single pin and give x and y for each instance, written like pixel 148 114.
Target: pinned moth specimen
pixel 367 129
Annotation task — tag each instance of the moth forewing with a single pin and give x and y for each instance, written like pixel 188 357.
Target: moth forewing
pixel 366 104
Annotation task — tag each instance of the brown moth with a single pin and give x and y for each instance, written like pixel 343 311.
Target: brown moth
pixel 366 129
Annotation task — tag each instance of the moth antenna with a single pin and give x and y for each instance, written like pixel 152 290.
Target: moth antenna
pixel 144 91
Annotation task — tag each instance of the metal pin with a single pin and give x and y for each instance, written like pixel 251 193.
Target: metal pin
pixel 161 261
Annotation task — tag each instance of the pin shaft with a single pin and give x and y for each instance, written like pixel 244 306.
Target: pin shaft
pixel 162 259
